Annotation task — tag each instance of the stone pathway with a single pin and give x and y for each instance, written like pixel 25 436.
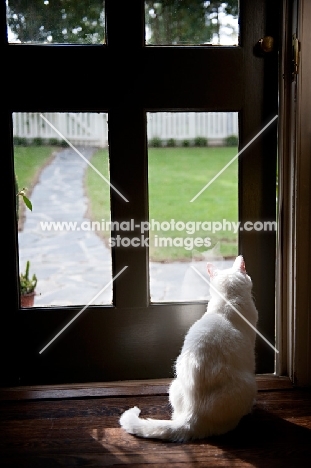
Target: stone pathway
pixel 73 266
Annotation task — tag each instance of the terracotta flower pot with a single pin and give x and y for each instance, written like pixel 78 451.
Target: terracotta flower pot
pixel 27 300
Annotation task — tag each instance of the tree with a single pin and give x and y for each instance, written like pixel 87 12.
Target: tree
pixel 176 22
pixel 186 21
pixel 71 21
pixel 57 21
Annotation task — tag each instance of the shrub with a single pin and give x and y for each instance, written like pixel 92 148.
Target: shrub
pixel 53 142
pixel 20 141
pixel 232 140
pixel 200 141
pixel 185 143
pixel 155 142
pixel 37 141
pixel 171 143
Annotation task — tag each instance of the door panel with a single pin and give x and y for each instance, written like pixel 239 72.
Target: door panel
pixel 258 165
pixel 133 339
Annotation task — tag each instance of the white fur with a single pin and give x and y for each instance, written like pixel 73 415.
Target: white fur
pixel 215 372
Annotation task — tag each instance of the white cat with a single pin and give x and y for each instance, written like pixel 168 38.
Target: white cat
pixel 215 372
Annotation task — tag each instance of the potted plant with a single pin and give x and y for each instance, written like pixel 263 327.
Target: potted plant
pixel 27 287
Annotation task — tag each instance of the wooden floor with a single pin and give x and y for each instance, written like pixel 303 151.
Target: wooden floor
pixel 78 426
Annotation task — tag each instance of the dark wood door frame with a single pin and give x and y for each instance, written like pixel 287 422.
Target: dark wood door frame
pixel 152 79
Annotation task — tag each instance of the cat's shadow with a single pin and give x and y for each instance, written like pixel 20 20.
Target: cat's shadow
pixel 263 439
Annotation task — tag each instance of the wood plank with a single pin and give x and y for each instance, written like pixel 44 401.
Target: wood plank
pixel 91 390
pixel 86 432
pixel 122 388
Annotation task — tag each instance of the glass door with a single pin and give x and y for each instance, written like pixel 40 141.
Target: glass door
pixel 132 76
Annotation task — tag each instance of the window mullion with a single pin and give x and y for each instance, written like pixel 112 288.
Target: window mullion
pixel 125 27
pixel 127 149
pixel 129 175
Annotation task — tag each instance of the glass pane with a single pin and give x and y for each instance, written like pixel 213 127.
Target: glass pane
pixel 58 22
pixel 193 200
pixel 61 166
pixel 191 22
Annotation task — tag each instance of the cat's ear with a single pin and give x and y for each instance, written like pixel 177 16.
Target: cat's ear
pixel 239 264
pixel 210 269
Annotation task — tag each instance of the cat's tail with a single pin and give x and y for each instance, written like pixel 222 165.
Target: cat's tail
pixel 173 430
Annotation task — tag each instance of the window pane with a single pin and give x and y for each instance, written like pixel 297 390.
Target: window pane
pixel 191 22
pixel 62 22
pixel 191 222
pixel 65 236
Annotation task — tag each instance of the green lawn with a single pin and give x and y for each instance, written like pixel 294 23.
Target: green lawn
pixel 28 161
pixel 97 190
pixel 176 175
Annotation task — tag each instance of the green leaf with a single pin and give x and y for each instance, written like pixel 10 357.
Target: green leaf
pixel 27 202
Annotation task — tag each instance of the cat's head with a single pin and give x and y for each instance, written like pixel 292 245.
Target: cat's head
pixel 230 280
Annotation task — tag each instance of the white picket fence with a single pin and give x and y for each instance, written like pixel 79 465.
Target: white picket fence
pixel 91 129
pixel 215 126
pixel 86 129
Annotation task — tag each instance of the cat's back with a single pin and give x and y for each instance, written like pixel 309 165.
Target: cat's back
pixel 219 341
pixel 212 332
pixel 215 355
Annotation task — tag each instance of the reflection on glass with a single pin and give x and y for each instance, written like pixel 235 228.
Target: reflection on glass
pixel 62 22
pixel 193 206
pixel 191 22
pixel 65 236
